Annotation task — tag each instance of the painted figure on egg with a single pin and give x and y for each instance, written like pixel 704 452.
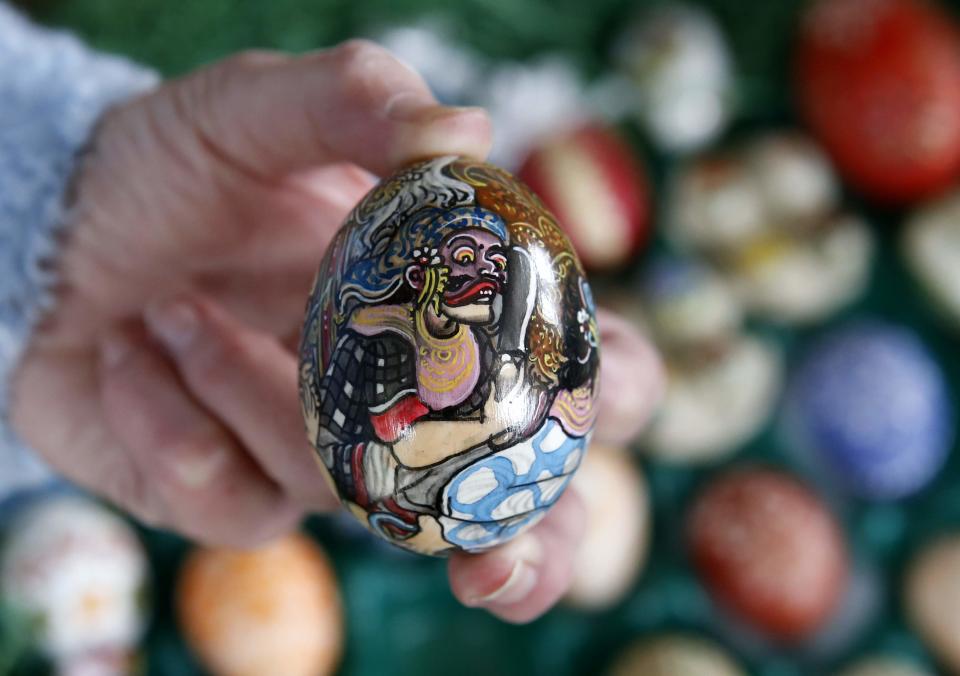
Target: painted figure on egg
pixel 448 365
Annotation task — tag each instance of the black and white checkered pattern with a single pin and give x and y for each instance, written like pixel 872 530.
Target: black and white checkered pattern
pixel 364 373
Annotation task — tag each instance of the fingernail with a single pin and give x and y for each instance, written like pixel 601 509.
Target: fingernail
pixel 526 553
pixel 114 349
pixel 174 323
pixel 518 585
pixel 416 107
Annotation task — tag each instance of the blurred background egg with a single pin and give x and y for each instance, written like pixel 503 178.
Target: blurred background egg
pixel 689 306
pixel 595 185
pixel 715 203
pixel 674 655
pixel 883 666
pixel 870 404
pixel 768 551
pixel 78 573
pixel 615 546
pixel 931 246
pixel 678 61
pixel 803 278
pixel 272 610
pixel 795 178
pixel 932 598
pixel 879 83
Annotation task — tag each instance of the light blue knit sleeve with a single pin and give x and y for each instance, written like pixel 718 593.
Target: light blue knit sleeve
pixel 52 91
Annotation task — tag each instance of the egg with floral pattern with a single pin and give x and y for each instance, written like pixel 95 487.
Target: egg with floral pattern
pixel 78 574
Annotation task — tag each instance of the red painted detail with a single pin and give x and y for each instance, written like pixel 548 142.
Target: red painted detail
pixel 393 423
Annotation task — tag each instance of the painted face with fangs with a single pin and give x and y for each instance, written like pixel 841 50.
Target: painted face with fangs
pixel 478 271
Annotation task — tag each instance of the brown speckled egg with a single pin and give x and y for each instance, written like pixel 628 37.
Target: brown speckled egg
pixel 273 610
pixel 674 655
pixel 614 548
pixel 933 598
pixel 768 551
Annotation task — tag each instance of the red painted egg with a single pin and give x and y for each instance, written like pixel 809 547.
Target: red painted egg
pixel 768 551
pixel 591 180
pixel 879 83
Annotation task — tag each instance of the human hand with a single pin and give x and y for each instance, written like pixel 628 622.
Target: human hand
pixel 164 377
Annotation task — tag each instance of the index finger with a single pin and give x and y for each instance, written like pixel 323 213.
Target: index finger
pixel 274 114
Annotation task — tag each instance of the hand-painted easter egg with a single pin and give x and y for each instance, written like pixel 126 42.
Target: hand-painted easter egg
pixel 614 548
pixel 448 363
pixel 768 551
pixel 716 204
pixel 879 83
pixel 869 404
pixel 689 306
pixel 803 277
pixel 931 245
pixel 78 573
pixel 679 63
pixel 795 178
pixel 715 401
pixel 933 599
pixel 884 666
pixel 271 610
pixel 598 190
pixel 674 655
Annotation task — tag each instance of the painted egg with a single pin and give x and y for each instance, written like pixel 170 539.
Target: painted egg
pixel 768 551
pixel 715 401
pixel 689 305
pixel 78 573
pixel 679 62
pixel 598 190
pixel 716 204
pixel 613 551
pixel 271 610
pixel 103 663
pixel 879 83
pixel 931 247
pixel 799 278
pixel 869 404
pixel 675 655
pixel 448 363
pixel 884 666
pixel 795 177
pixel 933 599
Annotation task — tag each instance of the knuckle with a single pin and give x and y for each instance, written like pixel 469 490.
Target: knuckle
pixel 252 60
pixel 357 53
pixel 361 70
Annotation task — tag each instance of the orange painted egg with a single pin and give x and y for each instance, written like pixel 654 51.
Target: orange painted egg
pixel 273 610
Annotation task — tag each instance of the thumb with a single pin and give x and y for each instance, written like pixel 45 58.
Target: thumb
pixel 274 114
